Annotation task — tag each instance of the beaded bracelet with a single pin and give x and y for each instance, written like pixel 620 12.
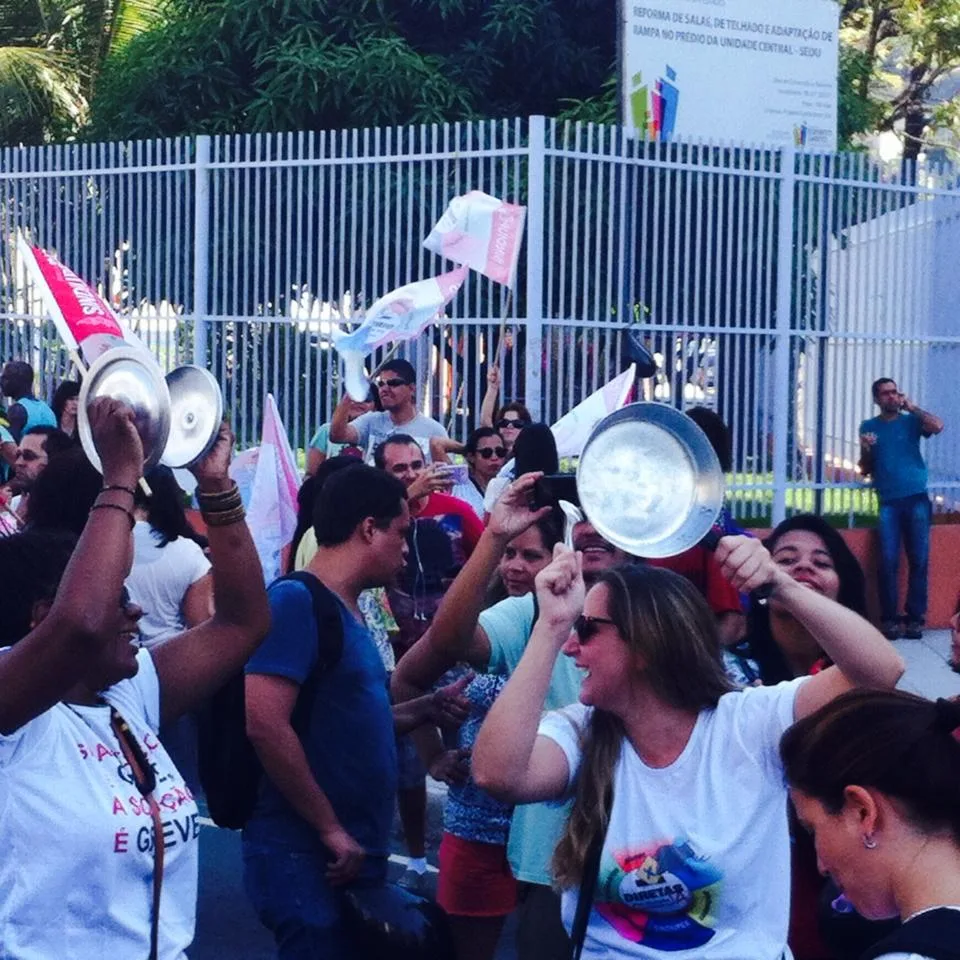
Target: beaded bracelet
pixel 115 506
pixel 118 486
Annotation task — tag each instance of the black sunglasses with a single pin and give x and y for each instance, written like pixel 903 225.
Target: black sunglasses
pixel 586 627
pixel 515 424
pixel 488 452
pixel 393 382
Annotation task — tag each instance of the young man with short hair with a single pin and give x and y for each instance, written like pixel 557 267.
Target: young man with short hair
pixel 397 386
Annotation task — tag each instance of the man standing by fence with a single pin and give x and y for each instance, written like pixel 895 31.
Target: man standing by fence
pixel 890 454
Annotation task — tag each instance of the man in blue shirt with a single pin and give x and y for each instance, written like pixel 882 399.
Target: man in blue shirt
pixel 325 809
pixel 890 454
pixel 26 411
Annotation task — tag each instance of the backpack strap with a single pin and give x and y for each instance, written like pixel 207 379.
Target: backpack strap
pixel 935 933
pixel 326 615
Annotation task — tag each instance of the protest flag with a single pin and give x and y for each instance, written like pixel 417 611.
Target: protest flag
pixel 572 430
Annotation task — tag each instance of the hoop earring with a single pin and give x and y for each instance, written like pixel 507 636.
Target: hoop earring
pixel 869 842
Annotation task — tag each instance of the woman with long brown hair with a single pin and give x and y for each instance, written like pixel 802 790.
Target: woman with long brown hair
pixel 676 779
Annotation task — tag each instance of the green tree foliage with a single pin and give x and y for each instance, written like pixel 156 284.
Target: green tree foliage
pixel 250 65
pixel 50 57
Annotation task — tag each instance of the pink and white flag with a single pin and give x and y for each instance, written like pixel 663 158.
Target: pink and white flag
pixel 482 233
pixel 272 508
pixel 572 430
pixel 399 315
pixel 84 321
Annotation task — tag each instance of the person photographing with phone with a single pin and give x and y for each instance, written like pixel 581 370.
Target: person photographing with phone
pixel 890 455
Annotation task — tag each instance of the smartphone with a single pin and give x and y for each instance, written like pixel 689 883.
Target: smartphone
pixel 458 473
pixel 553 487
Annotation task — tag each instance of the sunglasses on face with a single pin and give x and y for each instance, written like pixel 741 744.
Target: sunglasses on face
pixel 392 382
pixel 488 452
pixel 511 424
pixel 586 627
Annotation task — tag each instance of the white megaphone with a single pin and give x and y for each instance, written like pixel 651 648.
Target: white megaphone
pixel 177 417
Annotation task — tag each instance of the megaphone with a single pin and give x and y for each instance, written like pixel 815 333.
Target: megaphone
pixel 177 417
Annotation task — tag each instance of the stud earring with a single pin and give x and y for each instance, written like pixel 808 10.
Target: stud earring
pixel 869 842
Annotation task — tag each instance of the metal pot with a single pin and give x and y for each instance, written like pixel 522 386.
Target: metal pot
pixel 649 481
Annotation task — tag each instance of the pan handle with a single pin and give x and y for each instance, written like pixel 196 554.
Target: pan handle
pixel 711 541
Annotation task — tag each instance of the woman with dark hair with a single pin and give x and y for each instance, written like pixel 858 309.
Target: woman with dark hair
pixel 64 406
pixel 170 580
pixel 534 452
pixel 485 453
pixel 777 647
pixel 875 778
pixel 679 816
pixel 93 812
pixel 509 419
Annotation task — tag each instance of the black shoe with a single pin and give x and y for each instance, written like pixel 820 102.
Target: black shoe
pixel 913 630
pixel 891 629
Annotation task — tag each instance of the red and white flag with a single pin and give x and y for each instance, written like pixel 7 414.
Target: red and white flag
pixel 272 508
pixel 85 323
pixel 573 430
pixel 482 233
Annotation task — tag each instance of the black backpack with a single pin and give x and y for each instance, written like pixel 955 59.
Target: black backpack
pixel 935 934
pixel 229 769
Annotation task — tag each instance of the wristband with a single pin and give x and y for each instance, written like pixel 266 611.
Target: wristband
pixel 115 506
pixel 118 486
pixel 224 518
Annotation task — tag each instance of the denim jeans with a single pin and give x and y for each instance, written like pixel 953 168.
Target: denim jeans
pixel 290 893
pixel 906 519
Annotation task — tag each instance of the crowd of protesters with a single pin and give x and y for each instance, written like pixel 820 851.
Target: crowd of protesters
pixel 641 760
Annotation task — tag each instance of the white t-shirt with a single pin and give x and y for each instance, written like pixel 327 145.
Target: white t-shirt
pixel 159 579
pixel 76 872
pixel 470 493
pixel 696 862
pixel 374 427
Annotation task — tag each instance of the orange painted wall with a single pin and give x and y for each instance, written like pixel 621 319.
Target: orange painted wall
pixel 944 570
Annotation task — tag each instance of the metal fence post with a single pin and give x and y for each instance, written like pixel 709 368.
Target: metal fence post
pixel 533 365
pixel 783 387
pixel 201 249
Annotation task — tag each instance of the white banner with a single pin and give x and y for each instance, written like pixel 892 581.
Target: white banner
pixel 748 71
pixel 482 233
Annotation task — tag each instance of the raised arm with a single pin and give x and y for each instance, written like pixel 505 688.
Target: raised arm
pixel 930 423
pixel 341 429
pixel 454 634
pixel 509 760
pixel 862 656
pixel 491 398
pixel 195 663
pixel 75 623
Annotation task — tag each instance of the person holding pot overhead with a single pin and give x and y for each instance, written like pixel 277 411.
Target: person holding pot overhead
pixel 678 837
pixel 86 788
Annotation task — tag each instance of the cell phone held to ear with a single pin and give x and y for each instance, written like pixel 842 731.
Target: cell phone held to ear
pixel 554 487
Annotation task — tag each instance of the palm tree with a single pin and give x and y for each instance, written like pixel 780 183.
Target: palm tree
pixel 50 56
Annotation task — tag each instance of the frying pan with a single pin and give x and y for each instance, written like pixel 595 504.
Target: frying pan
pixel 650 481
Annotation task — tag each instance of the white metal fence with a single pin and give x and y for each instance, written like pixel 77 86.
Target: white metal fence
pixel 773 286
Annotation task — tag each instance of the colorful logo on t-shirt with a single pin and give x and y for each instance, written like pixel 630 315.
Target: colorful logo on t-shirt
pixel 663 897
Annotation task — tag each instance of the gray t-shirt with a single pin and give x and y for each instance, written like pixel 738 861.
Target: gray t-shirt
pixel 374 427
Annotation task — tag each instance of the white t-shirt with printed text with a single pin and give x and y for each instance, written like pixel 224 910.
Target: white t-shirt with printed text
pixel 76 873
pixel 376 426
pixel 696 862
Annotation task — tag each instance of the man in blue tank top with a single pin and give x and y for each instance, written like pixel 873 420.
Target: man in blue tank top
pixel 26 411
pixel 890 454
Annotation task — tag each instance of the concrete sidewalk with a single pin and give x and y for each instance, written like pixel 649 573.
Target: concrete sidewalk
pixel 928 667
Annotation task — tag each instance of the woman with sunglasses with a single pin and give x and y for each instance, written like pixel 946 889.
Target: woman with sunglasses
pixel 98 830
pixel 679 816
pixel 509 419
pixel 485 454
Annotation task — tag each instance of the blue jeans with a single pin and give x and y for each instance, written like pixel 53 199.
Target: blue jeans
pixel 290 893
pixel 906 519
